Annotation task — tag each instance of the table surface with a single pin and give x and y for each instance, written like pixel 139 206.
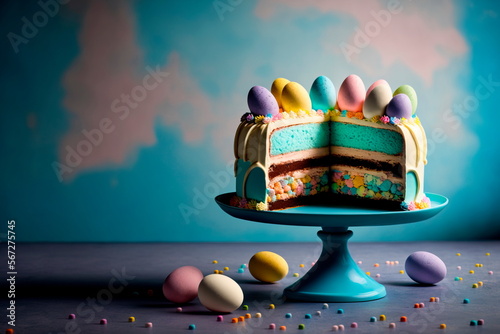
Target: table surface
pixel 116 281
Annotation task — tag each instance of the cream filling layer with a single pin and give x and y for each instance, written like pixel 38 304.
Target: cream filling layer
pixel 364 155
pixel 300 155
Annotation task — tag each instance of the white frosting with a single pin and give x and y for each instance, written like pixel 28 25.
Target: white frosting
pixel 251 143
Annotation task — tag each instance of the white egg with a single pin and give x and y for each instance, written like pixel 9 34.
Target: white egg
pixel 377 100
pixel 220 293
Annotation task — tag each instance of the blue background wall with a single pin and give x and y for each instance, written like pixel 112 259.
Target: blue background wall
pixel 163 144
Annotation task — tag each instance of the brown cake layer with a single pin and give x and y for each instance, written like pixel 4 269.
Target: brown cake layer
pixel 371 203
pixel 395 168
pixel 336 200
pixel 319 199
pixel 280 169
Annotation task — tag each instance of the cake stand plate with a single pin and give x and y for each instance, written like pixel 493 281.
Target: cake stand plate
pixel 335 277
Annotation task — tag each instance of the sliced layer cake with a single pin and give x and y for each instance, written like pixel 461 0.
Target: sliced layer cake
pixel 296 148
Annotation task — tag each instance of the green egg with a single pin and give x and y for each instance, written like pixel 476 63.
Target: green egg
pixel 410 92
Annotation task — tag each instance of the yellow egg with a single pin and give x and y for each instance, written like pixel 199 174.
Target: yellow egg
pixel 277 88
pixel 294 97
pixel 268 267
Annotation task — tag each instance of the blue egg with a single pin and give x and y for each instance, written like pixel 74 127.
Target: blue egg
pixel 323 94
pixel 262 102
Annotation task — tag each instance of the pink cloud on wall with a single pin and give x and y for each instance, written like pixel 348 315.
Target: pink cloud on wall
pixel 114 98
pixel 421 37
pixel 185 105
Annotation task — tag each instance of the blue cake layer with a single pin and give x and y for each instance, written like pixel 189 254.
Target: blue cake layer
pixel 366 138
pixel 300 137
pixel 316 135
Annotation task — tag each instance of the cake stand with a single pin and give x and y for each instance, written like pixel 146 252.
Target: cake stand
pixel 335 277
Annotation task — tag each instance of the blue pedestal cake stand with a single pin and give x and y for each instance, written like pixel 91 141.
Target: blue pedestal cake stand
pixel 335 277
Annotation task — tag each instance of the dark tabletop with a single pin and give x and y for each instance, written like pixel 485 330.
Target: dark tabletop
pixel 117 281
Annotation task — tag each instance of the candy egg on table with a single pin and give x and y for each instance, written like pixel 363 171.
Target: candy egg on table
pixel 277 88
pixel 412 95
pixel 261 101
pixel 268 267
pixel 220 293
pixel 294 97
pixel 181 286
pixel 426 268
pixel 351 94
pixel 323 94
pixel 399 106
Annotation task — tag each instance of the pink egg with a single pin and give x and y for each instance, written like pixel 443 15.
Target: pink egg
pixel 351 94
pixel 375 84
pixel 181 286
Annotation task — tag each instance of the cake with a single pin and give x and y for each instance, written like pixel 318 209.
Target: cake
pixel 360 147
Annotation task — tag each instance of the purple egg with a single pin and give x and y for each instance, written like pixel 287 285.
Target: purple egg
pixel 262 102
pixel 426 268
pixel 399 106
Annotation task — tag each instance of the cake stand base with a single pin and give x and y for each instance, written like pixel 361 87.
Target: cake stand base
pixel 335 277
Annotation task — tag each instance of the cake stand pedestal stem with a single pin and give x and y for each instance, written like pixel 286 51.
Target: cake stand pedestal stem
pixel 335 277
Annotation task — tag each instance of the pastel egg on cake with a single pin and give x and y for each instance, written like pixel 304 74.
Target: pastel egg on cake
pixel 277 88
pixel 412 95
pixel 377 100
pixel 375 84
pixel 399 106
pixel 294 97
pixel 261 102
pixel 323 94
pixel 351 94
